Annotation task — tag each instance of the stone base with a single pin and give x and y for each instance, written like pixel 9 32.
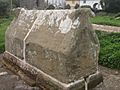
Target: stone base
pixel 35 77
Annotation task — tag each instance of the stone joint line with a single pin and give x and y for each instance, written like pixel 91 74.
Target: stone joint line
pixel 24 43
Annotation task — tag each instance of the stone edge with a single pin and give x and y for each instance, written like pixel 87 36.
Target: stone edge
pixel 35 77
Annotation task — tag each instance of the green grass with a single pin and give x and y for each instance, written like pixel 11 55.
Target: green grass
pixel 110 49
pixel 4 23
pixel 106 20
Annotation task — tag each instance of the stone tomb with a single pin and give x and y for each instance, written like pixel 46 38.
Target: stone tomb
pixel 53 49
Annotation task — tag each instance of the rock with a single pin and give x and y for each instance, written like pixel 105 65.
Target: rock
pixel 94 80
pixel 59 45
pixel 116 73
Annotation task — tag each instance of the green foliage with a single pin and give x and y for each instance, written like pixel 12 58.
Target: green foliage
pixel 4 7
pixel 16 3
pixel 3 26
pixel 110 49
pixel 106 20
pixel 111 5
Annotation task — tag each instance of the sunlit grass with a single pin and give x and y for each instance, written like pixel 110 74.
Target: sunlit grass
pixel 106 20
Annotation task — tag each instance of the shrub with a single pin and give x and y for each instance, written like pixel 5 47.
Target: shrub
pixel 112 6
pixel 4 7
pixel 101 13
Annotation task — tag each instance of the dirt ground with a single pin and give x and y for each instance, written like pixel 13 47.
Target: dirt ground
pixel 111 79
pixel 9 81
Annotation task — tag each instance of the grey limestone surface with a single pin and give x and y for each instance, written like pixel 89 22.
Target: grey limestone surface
pixel 60 43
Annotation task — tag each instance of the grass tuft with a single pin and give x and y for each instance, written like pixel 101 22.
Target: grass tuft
pixel 4 23
pixel 106 20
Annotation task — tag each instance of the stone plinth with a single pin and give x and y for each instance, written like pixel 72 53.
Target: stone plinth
pixel 57 49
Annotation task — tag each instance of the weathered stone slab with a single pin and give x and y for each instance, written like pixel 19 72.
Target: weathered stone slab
pixel 59 43
pixel 63 45
pixel 17 31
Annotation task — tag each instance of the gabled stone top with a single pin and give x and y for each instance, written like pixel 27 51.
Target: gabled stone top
pixel 60 43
